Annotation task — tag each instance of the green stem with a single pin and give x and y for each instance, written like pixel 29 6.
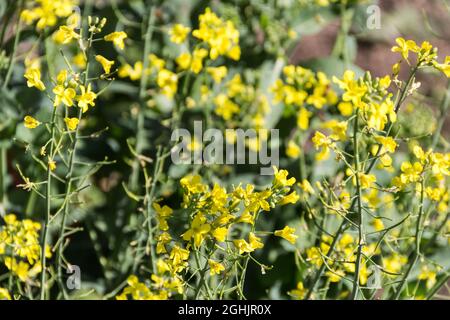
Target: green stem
pixel 12 59
pixel 360 213
pixel 418 240
pixel 48 210
pixel 3 179
pixel 340 48
pixel 140 133
pixel 442 117
pixel 69 179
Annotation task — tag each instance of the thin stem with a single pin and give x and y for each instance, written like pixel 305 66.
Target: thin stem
pixel 16 42
pixel 360 212
pixel 140 133
pixel 418 240
pixel 48 209
pixel 69 178
pixel 442 118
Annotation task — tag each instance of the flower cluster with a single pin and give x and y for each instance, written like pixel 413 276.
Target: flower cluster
pixel 216 220
pixel 47 12
pixel 19 247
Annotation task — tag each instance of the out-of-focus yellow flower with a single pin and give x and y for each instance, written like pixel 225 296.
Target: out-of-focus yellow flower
pixel 31 122
pixel 4 294
pixel 33 76
pixel 217 73
pixel 71 123
pixel 86 98
pixel 287 233
pixel 215 267
pixel 106 64
pixel 178 33
pixel 221 36
pixel 65 35
pixel 184 60
pixel 293 150
pixel 51 164
pixel 168 82
pixel 299 292
pixel 118 38
pixel 79 60
pixel 134 73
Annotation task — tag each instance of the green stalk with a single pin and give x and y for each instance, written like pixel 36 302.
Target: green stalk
pixel 340 47
pixel 48 209
pixel 418 240
pixel 12 59
pixel 360 213
pixel 140 134
pixel 69 179
pixel 442 117
pixel 3 148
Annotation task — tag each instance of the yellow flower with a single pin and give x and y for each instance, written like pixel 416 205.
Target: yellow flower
pixel 221 36
pixel 117 38
pixel 303 118
pixel 168 82
pixel 378 224
pixel 198 230
pixel 86 98
pixel 197 60
pixel 293 150
pixel 184 60
pixel 388 143
pixel 31 122
pixel 335 276
pixel 106 64
pixel 71 123
pixel 178 33
pixel 225 107
pixel 217 73
pixel 394 263
pixel 64 95
pixel 314 256
pixel 428 275
pixel 324 143
pixel 280 178
pixel 79 60
pixel 162 214
pixel 290 198
pixel 404 46
pixel 163 239
pixel 338 128
pixel 298 293
pixel 287 233
pixel 134 73
pixel 220 234
pixel 366 180
pixel 51 164
pixel 243 246
pixel 4 294
pixel 33 76
pixel 254 241
pixel 353 90
pixel 215 267
pixel 345 108
pixel 65 35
